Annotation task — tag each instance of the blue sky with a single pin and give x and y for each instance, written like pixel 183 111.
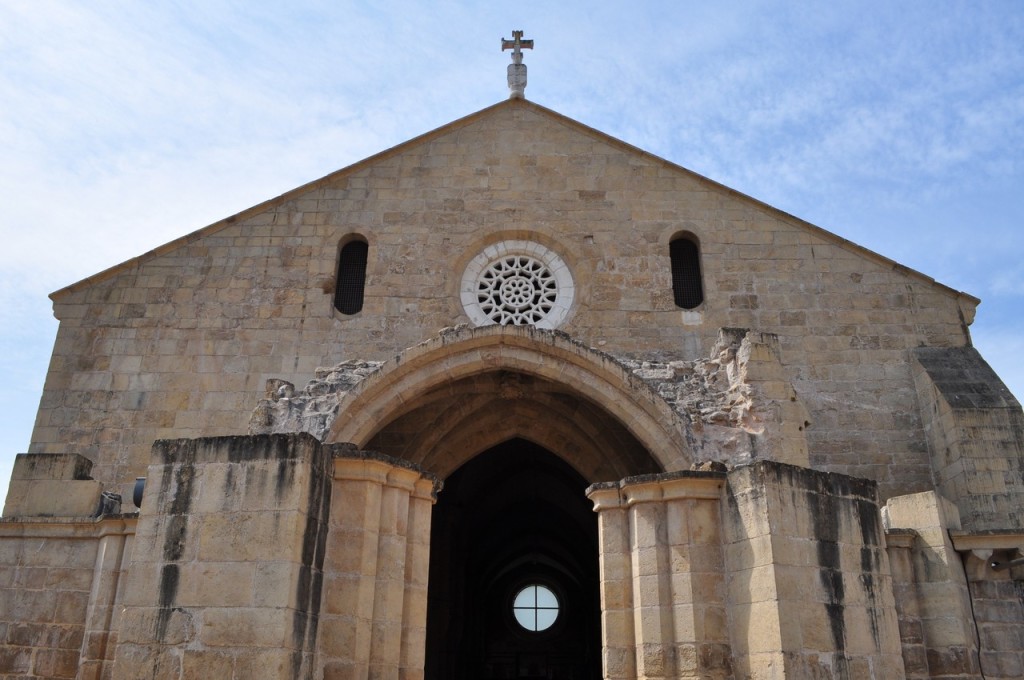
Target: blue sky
pixel 123 125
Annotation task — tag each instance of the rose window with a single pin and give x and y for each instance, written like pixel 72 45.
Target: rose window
pixel 516 290
pixel 517 283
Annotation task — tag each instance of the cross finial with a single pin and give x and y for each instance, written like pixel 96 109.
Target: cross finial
pixel 517 69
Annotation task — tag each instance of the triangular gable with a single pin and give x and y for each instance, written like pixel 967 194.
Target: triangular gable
pixel 467 120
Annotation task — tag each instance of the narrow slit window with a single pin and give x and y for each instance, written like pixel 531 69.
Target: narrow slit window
pixel 686 280
pixel 351 279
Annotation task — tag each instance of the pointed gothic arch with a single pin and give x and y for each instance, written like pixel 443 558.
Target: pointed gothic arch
pixel 480 386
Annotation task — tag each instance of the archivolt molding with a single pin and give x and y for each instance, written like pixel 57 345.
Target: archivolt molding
pixel 462 352
pixel 734 407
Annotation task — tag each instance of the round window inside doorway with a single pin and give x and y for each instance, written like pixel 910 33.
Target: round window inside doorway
pixel 535 608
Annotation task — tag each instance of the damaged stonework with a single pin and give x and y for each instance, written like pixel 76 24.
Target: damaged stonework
pixel 736 406
pixel 738 403
pixel 312 410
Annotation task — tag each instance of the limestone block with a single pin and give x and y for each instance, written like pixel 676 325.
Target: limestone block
pixel 140 661
pixel 71 607
pixel 194 574
pixel 757 584
pixel 181 342
pixel 201 664
pixel 217 584
pixel 974 429
pixel 247 627
pixel 272 584
pixel 921 511
pixel 650 591
pixel 251 536
pixel 142 626
pixel 53 466
pixel 51 498
pixel 374 603
pixel 745 554
pixel 819 585
pixel 56 663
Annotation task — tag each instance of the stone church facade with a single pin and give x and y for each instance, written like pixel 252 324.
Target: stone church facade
pixel 515 399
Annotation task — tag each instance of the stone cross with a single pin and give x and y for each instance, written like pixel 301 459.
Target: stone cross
pixel 517 69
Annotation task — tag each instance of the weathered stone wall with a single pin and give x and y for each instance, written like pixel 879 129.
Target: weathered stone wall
pixel 181 342
pixel 53 575
pixel 734 406
pixel 937 624
pixel 663 598
pixel 225 577
pixel 103 618
pixel 374 616
pixel 769 571
pixel 997 595
pixel 274 557
pixel 52 485
pixel 810 593
pixel 975 430
pixel 899 547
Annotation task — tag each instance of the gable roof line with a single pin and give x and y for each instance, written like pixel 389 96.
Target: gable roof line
pixel 461 122
pixel 277 200
pixel 788 217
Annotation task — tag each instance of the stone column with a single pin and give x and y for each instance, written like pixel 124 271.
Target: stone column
pixel 617 636
pixel 101 620
pixel 935 574
pixel 225 574
pixel 899 546
pixel 373 622
pixel 661 577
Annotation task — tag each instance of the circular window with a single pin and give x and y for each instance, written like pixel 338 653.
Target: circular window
pixel 535 608
pixel 517 283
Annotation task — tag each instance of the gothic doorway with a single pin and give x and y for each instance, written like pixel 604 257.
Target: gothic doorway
pixel 514 571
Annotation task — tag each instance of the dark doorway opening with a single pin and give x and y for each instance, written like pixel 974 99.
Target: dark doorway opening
pixel 512 533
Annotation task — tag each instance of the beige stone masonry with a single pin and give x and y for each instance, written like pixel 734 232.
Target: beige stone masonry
pixel 373 620
pixel 57 595
pixel 180 342
pixel 54 485
pixel 809 588
pixel 102 619
pixel 899 547
pixel 975 431
pixel 66 467
pixel 226 566
pixel 661 577
pixel 995 575
pixel 932 590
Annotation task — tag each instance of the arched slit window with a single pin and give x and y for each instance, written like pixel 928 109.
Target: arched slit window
pixel 351 278
pixel 686 280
